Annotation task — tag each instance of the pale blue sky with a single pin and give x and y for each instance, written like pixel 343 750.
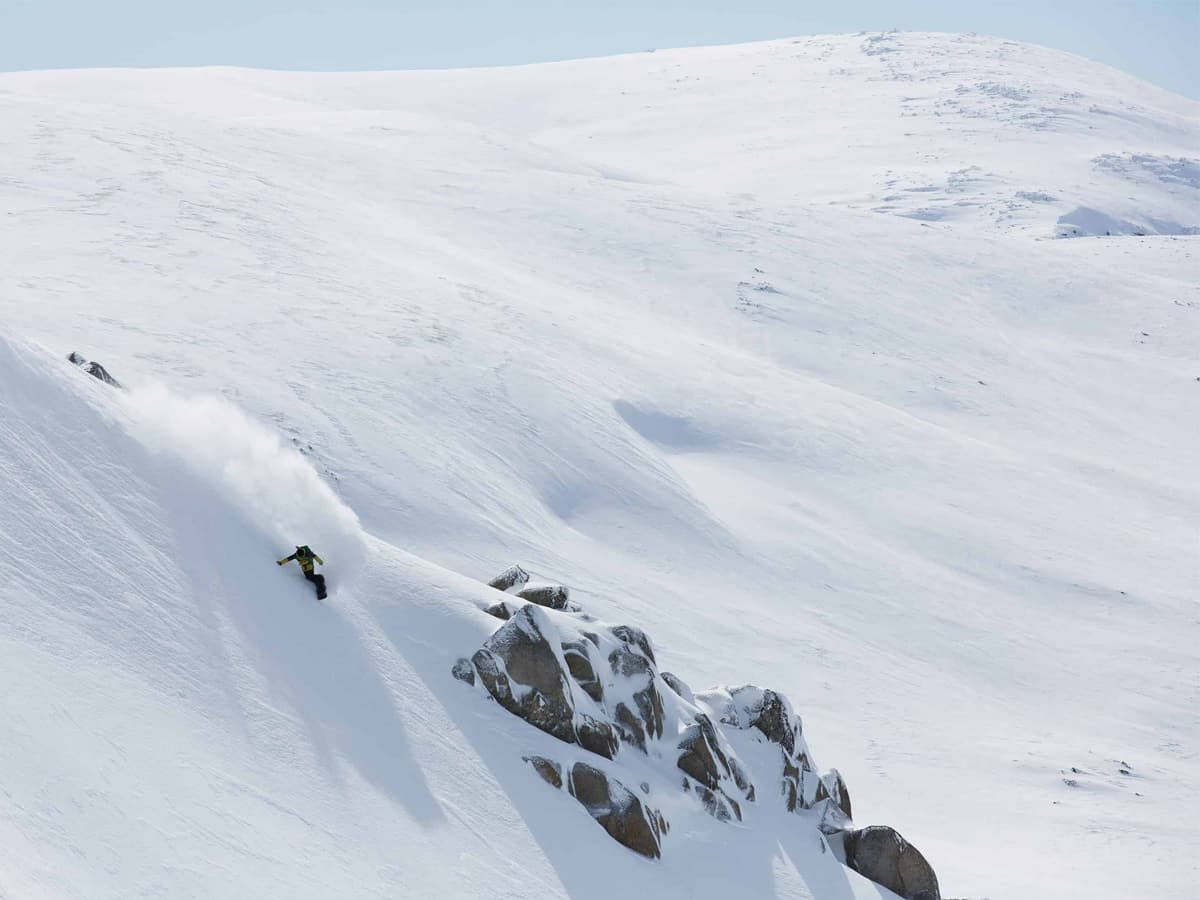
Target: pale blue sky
pixel 1153 39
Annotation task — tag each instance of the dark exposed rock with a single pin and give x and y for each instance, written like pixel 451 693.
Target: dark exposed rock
pixel 775 722
pixel 718 805
pixel 550 771
pixel 579 664
pixel 598 737
pixel 513 576
pixel 501 609
pixel 650 707
pixel 702 757
pixel 550 596
pixel 791 784
pixel 882 855
pixel 628 663
pixel 520 653
pixel 635 636
pixel 630 727
pixel 94 369
pixel 464 671
pixel 618 810
pixel 740 778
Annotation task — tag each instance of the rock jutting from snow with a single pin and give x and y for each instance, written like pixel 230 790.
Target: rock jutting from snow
pixel 550 771
pixel 882 855
pixel 551 596
pixel 502 609
pixel 93 368
pixel 513 576
pixel 618 810
pixel 599 688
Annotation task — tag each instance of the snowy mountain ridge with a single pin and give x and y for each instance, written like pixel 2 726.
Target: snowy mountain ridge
pixel 766 350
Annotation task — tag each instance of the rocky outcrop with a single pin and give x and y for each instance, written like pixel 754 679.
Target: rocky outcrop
pixel 93 368
pixel 882 855
pixel 708 760
pixel 599 688
pixel 769 714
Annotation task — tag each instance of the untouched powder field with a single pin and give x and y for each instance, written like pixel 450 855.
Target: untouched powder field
pixel 861 368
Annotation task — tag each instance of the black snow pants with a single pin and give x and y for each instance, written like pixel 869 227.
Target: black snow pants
pixel 317 579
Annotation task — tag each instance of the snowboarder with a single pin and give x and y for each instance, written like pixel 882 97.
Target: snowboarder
pixel 305 556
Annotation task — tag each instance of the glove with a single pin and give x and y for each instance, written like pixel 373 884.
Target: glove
pixel 279 562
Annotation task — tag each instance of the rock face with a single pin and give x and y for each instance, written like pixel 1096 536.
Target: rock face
pixel 94 369
pixel 882 855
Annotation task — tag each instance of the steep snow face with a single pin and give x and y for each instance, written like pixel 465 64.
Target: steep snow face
pixel 646 326
pixel 183 720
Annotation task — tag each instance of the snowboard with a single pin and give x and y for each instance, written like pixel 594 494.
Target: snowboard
pixel 320 580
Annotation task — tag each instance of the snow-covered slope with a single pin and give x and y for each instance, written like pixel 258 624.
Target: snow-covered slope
pixel 728 340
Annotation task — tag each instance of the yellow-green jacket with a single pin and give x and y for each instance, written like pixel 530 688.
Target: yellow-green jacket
pixel 304 556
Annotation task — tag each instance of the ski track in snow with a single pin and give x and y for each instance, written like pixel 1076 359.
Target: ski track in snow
pixel 773 351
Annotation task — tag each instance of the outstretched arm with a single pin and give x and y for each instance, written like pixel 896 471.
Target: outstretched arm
pixel 286 559
pixel 318 559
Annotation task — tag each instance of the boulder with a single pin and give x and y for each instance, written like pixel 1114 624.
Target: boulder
pixel 618 810
pixel 551 596
pixel 502 610
pixel 519 668
pixel 93 368
pixel 882 855
pixel 520 653
pixel 598 737
pixel 550 771
pixel 513 576
pixel 464 671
